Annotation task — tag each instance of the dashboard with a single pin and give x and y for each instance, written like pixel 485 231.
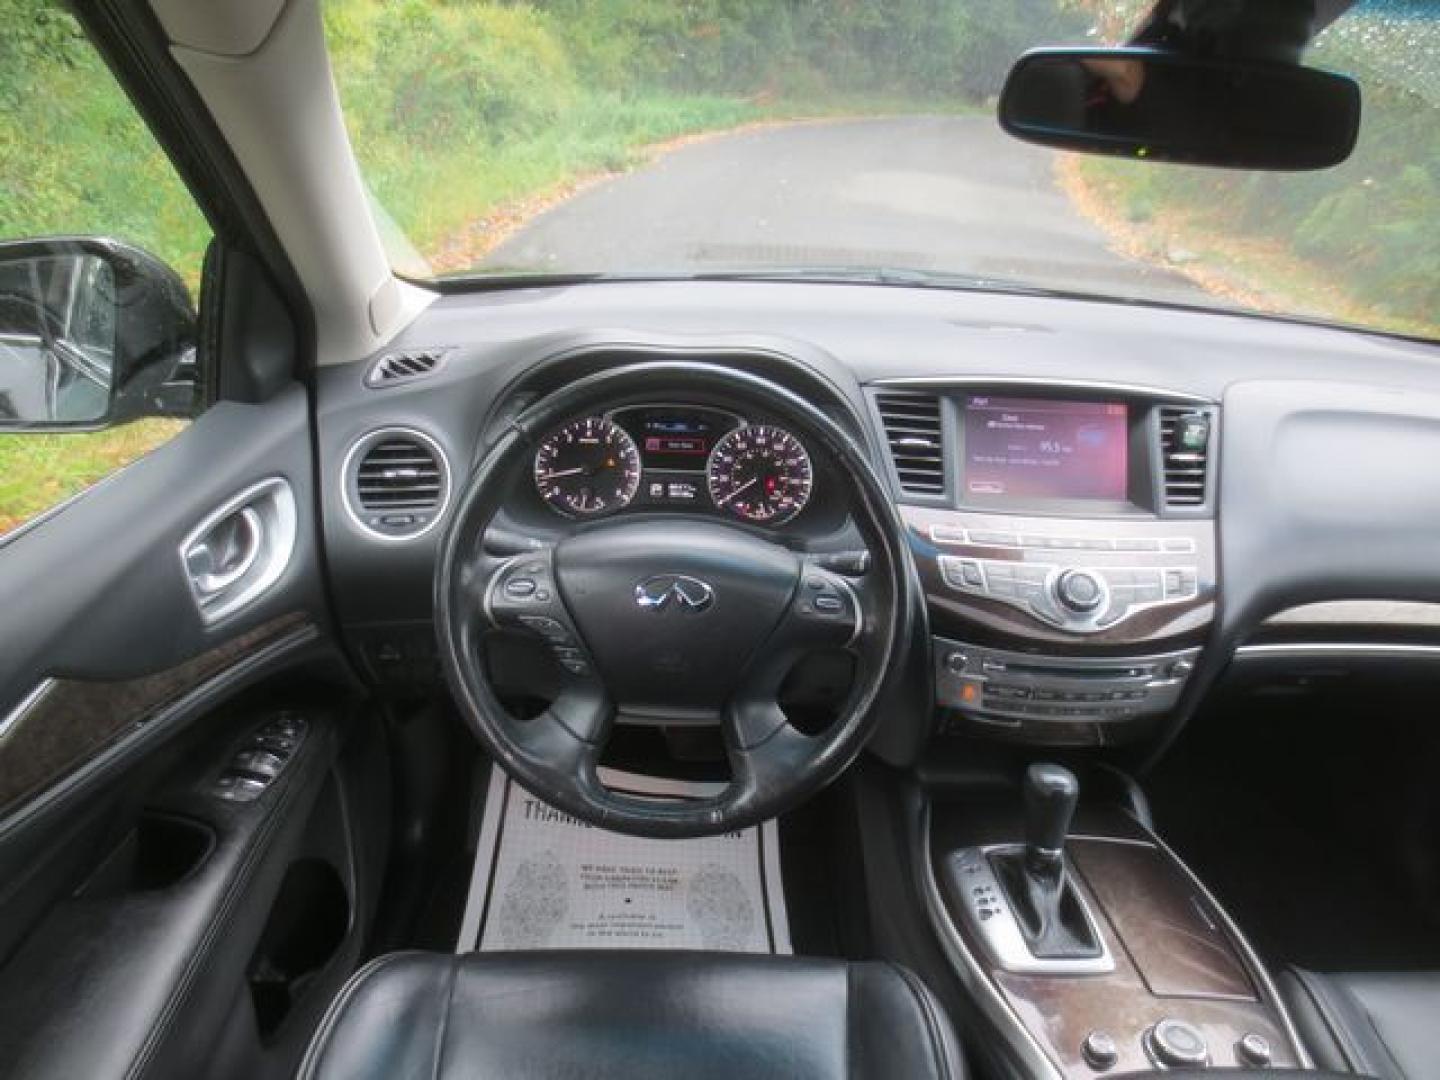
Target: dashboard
pixel 1072 476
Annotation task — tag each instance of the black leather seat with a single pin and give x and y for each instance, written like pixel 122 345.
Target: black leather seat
pixel 1385 1025
pixel 631 1015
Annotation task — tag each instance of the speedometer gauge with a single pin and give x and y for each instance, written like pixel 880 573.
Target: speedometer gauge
pixel 760 473
pixel 587 468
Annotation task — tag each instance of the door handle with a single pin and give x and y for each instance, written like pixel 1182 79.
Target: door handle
pixel 241 548
pixel 226 553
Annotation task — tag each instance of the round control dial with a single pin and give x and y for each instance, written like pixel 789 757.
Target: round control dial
pixel 587 468
pixel 1253 1049
pixel 1100 1050
pixel 1079 590
pixel 760 473
pixel 1177 1044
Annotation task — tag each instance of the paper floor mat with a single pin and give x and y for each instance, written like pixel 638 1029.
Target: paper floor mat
pixel 543 880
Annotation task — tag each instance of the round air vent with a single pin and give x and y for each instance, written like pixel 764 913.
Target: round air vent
pixel 397 482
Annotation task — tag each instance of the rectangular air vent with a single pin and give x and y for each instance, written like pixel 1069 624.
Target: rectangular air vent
pixel 1185 456
pixel 917 443
pixel 398 367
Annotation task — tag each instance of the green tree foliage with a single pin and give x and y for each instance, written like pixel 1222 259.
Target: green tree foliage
pixel 929 48
pixel 74 155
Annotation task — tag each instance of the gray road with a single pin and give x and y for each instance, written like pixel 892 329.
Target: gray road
pixel 925 193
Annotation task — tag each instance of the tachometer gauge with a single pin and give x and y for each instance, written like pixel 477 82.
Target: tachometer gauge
pixel 587 468
pixel 760 473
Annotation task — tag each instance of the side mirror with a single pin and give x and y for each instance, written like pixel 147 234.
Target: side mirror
pixel 1164 106
pixel 93 333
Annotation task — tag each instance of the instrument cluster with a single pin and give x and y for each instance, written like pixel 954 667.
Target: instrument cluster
pixel 677 457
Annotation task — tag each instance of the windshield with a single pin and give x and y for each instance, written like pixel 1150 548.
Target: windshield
pixel 814 139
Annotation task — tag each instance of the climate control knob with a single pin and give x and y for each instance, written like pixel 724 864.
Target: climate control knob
pixel 1079 590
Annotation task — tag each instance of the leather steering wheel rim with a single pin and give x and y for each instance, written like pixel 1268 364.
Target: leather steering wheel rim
pixel 554 756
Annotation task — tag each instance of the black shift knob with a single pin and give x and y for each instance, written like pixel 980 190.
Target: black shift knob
pixel 1051 792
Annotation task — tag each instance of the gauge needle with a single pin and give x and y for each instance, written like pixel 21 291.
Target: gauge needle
pixel 748 484
pixel 563 472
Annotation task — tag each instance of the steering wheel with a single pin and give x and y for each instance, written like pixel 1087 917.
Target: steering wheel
pixel 671 620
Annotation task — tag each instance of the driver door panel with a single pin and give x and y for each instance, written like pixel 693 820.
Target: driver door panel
pixel 136 906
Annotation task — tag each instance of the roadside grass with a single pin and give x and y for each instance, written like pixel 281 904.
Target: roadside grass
pixel 38 471
pixel 1203 240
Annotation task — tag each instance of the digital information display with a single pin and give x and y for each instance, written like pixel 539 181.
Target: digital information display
pixel 1035 448
pixel 679 441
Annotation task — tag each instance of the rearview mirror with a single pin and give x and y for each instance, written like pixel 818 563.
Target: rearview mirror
pixel 1164 106
pixel 92 333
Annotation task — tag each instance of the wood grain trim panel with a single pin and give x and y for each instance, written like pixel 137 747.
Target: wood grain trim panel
pixel 68 721
pixel 1221 1000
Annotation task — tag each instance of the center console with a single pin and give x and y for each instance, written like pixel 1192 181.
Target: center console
pixel 1065 538
pixel 1089 946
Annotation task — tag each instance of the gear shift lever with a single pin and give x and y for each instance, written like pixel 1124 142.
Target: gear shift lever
pixel 1051 792
pixel 1046 904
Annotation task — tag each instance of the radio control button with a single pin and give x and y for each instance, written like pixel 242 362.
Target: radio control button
pixel 1148 587
pixel 1008 693
pixel 993 539
pixel 1180 669
pixel 1136 543
pixel 1079 590
pixel 962 574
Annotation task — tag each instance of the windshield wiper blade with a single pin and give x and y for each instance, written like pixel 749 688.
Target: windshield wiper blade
pixel 861 275
pixel 874 275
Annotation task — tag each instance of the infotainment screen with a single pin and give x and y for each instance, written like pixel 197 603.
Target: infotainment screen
pixel 1039 449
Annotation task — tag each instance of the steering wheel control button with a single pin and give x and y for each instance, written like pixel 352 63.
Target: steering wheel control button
pixel 829 604
pixel 1079 590
pixel 546 627
pixel 1176 1045
pixel 1254 1049
pixel 520 588
pixel 1100 1051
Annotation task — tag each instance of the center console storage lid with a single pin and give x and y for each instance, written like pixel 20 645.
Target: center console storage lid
pixel 1176 946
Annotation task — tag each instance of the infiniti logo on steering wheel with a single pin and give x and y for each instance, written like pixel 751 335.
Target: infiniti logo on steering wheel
pixel 690 594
